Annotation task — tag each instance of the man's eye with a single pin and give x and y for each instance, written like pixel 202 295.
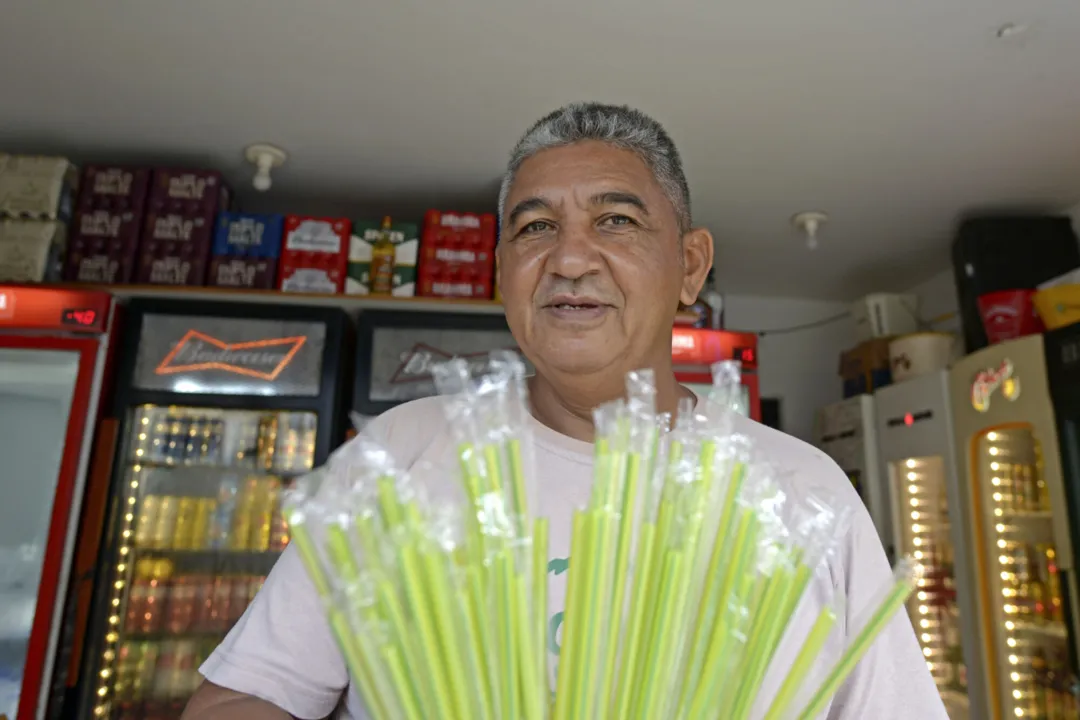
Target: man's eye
pixel 536 226
pixel 617 220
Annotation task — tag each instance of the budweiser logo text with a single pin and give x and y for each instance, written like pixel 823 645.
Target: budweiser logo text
pixel 262 359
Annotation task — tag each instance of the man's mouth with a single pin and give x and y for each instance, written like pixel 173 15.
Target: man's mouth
pixel 579 308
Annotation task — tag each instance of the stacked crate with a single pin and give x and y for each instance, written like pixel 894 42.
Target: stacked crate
pixel 458 255
pixel 108 219
pixel 35 206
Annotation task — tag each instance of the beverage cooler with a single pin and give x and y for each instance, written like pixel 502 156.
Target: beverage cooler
pixel 926 521
pixel 222 406
pixel 1019 532
pixel 54 352
pixel 694 350
pixel 846 433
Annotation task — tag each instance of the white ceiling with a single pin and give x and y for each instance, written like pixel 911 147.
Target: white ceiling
pixel 894 117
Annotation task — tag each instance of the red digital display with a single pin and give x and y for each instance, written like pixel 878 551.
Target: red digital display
pixel 909 419
pixel 747 356
pixel 85 317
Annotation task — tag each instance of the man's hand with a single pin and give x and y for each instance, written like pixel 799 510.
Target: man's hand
pixel 213 702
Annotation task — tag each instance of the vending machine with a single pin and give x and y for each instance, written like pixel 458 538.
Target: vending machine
pixel 694 350
pixel 1018 530
pixel 846 433
pixel 223 406
pixel 54 355
pixel 926 523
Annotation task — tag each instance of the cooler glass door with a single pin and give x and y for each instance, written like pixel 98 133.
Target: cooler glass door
pixel 37 390
pixel 200 525
pixel 923 533
pixel 1016 545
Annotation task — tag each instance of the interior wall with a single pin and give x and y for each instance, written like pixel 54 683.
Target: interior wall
pixel 800 366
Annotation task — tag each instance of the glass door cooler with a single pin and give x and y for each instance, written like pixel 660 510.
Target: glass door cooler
pixel 927 523
pixel 845 432
pixel 694 350
pixel 1019 538
pixel 223 407
pixel 54 354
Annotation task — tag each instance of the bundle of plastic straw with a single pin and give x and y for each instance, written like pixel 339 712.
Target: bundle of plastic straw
pixel 687 567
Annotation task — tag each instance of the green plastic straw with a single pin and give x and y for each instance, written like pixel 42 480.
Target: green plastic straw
pixel 392 512
pixel 540 602
pixel 441 600
pixel 404 640
pixel 517 480
pixel 508 669
pixel 478 618
pixel 767 622
pixel 417 593
pixel 858 647
pixel 625 690
pixel 360 665
pixel 627 521
pixel 806 658
pixel 599 613
pixel 565 677
pixel 532 697
pixel 659 657
pixel 392 659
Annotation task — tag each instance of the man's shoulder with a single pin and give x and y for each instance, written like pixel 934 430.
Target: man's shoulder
pixel 407 430
pixel 803 469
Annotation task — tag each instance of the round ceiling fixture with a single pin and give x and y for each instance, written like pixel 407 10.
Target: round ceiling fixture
pixel 1009 30
pixel 809 223
pixel 265 158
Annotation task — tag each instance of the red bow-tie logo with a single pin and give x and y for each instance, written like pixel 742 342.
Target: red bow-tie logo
pixel 262 359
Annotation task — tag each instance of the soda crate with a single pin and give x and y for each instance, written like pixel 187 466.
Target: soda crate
pixel 175 248
pixel 406 240
pixel 246 250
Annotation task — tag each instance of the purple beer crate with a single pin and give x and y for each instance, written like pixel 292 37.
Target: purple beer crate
pixel 116 188
pixel 103 246
pixel 175 248
pixel 194 193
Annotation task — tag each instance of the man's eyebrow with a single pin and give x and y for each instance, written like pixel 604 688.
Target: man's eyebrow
pixel 526 205
pixel 619 198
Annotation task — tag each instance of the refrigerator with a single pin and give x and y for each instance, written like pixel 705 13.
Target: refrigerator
pixel 1017 530
pixel 846 433
pixel 54 355
pixel 222 407
pixel 694 350
pixel 925 522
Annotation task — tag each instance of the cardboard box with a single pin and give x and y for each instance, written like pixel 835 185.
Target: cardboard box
pixel 406 240
pixel 315 254
pixel 33 187
pixel 246 249
pixel 113 187
pixel 865 367
pixel 175 248
pixel 31 250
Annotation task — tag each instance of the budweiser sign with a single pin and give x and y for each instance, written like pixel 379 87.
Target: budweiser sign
pixel 262 359
pixel 987 381
pixel 417 361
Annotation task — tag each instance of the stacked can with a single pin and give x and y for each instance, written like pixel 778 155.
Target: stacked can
pixel 105 230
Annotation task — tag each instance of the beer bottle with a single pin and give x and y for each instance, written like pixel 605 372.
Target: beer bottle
pixel 382 261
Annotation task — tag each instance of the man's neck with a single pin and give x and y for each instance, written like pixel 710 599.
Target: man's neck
pixel 567 408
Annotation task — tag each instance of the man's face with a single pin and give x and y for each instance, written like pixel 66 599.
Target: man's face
pixel 591 264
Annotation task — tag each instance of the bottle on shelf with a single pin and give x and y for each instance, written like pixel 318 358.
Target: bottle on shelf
pixel 382 261
pixel 1039 599
pixel 1054 602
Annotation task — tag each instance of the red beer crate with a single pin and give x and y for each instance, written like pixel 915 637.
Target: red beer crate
pixel 457 255
pixel 314 255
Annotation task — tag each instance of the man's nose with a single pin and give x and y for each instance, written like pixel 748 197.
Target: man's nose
pixel 575 253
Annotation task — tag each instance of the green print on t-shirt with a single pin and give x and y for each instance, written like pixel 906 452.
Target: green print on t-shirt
pixel 556 566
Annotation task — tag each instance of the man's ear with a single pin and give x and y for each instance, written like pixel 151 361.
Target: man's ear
pixel 697 256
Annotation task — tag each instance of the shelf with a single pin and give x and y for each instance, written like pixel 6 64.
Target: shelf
pixel 166 636
pixel 350 303
pixel 220 562
pixel 209 467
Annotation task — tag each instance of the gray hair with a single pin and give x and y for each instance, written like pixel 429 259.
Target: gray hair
pixel 620 126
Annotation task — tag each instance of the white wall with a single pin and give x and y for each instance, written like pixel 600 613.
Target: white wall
pixel 800 367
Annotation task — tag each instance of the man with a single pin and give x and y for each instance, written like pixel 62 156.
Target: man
pixel 597 252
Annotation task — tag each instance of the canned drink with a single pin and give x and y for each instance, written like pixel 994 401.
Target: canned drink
pixel 164 670
pixel 184 531
pixel 193 441
pixel 164 527
pixel 149 511
pixel 180 609
pixel 174 439
pixel 244 440
pixel 254 586
pixel 288 442
pixel 224 513
pixel 202 592
pixel 157 592
pixel 185 667
pixel 262 513
pixel 267 441
pixel 241 596
pixel 240 534
pixel 200 527
pixel 279 530
pixel 220 606
pixel 211 441
pixel 310 426
pixel 158 439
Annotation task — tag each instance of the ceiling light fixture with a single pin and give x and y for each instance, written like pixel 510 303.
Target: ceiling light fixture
pixel 265 158
pixel 809 223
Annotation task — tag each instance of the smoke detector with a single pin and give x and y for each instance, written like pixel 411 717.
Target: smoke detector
pixel 265 158
pixel 809 223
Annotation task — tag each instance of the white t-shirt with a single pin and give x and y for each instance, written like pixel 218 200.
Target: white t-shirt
pixel 282 650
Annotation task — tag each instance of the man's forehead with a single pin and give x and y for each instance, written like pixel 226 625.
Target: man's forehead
pixel 590 168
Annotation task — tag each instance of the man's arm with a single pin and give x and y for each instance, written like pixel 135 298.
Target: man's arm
pixel 213 702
